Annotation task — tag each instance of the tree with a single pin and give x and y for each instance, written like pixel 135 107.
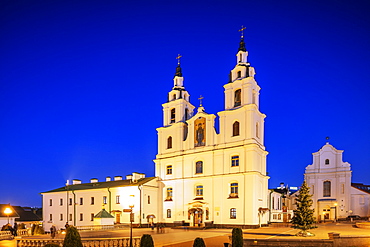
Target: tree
pixel 146 241
pixel 199 242
pixel 237 237
pixel 303 218
pixel 72 238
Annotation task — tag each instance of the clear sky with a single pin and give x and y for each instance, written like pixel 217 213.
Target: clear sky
pixel 82 83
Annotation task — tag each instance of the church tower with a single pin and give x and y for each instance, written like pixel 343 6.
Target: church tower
pixel 208 176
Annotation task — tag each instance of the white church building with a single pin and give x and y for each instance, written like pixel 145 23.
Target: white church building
pixel 333 193
pixel 201 176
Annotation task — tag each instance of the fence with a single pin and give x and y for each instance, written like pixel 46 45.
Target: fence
pixel 91 242
pixel 8 235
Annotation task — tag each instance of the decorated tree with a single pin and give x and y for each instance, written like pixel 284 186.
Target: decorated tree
pixel 237 237
pixel 72 238
pixel 303 218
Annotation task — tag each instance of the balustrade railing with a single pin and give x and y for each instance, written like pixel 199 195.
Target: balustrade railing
pixel 102 227
pixel 90 242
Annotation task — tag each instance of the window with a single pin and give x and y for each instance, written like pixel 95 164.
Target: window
pixel 61 202
pixel 327 189
pixel 257 131
pixel 279 216
pixel 273 203
pixel 168 213
pixel 50 217
pixel 235 160
pixel 173 115
pixel 92 217
pixel 186 114
pixel 92 200
pixel 232 213
pixel 236 128
pixel 199 190
pixel 117 199
pixel 174 97
pixel 61 217
pixel 274 216
pixel 169 142
pixel 70 217
pixel 239 73
pixel 104 200
pixel 70 201
pixel 81 201
pixel 81 217
pixel 199 167
pixel 342 188
pixel 234 190
pixel 169 194
pixel 148 199
pixel 237 98
pixel 327 162
pixel 51 202
pixel 169 170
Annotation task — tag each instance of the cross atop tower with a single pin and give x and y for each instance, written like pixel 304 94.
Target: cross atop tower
pixel 200 100
pixel 242 31
pixel 178 58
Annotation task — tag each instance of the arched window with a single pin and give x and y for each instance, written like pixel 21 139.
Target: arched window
pixel 174 97
pixel 236 128
pixel 168 213
pixel 199 190
pixel 232 213
pixel 169 142
pixel 169 194
pixel 237 97
pixel 239 74
pixel 173 115
pixel 235 160
pixel 169 170
pixel 234 188
pixel 327 162
pixel 199 167
pixel 326 189
pixel 186 114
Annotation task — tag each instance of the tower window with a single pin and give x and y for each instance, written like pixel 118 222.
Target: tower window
pixel 169 170
pixel 232 213
pixel 237 97
pixel 257 131
pixel 174 97
pixel 234 190
pixel 236 128
pixel 199 190
pixel 327 189
pixel 235 160
pixel 199 167
pixel 168 213
pixel 173 115
pixel 169 142
pixel 186 114
pixel 239 74
pixel 327 162
pixel 169 194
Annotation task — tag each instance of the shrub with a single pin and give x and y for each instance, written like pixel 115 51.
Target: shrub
pixel 198 242
pixel 237 237
pixel 72 238
pixel 146 241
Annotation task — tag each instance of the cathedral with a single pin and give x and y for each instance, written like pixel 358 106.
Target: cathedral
pixel 202 177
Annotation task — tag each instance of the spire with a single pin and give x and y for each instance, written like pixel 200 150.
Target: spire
pixel 178 68
pixel 242 44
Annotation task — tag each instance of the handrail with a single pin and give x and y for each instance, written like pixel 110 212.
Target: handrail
pixel 87 242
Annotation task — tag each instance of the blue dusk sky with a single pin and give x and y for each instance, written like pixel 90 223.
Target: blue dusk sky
pixel 82 83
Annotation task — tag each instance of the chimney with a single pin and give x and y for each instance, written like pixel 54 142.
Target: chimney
pixel 117 178
pixel 93 180
pixel 107 179
pixel 129 177
pixel 76 181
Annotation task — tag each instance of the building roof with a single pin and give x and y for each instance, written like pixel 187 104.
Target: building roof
pixel 27 214
pixel 362 187
pixel 103 214
pixel 12 214
pixel 102 185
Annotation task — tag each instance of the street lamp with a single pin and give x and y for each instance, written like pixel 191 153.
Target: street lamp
pixel 335 204
pixel 8 211
pixel 131 205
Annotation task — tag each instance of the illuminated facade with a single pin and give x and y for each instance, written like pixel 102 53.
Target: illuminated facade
pixel 333 194
pixel 208 176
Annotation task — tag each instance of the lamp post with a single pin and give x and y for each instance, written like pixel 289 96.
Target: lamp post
pixel 131 205
pixel 8 211
pixel 335 204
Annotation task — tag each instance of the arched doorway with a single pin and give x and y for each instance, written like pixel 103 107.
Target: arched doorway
pixel 195 215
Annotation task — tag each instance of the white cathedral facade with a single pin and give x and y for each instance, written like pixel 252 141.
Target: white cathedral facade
pixel 200 175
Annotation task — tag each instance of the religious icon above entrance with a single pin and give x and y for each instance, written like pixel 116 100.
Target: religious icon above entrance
pixel 200 132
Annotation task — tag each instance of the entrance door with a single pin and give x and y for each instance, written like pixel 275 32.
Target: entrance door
pixel 118 218
pixel 198 217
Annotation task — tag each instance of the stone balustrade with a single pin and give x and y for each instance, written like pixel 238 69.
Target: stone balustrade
pixel 87 242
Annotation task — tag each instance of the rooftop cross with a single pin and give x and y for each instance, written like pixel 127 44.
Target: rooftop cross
pixel 242 31
pixel 200 100
pixel 178 58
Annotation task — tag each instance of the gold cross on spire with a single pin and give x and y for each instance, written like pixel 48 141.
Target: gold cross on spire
pixel 200 100
pixel 242 30
pixel 178 58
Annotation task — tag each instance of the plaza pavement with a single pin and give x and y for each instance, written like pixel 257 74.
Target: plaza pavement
pixel 215 237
